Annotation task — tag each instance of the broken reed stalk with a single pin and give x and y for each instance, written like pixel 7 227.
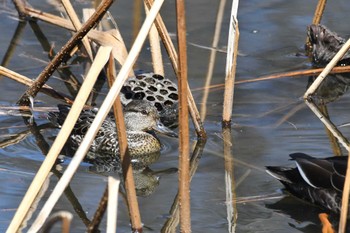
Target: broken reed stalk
pixel 113 190
pixel 184 157
pixel 321 5
pixel 169 46
pixel 156 53
pixel 312 89
pixel 345 200
pixel 77 25
pixel 327 69
pixel 128 176
pixel 63 216
pixel 101 114
pixel 231 63
pixel 212 58
pixel 28 82
pixel 100 211
pixel 64 52
pixel 58 144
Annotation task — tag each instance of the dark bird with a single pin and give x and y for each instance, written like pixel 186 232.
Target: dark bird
pixel 319 181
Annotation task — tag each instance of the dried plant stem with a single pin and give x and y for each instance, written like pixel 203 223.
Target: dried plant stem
pixel 101 209
pixel 20 7
pixel 128 176
pixel 316 20
pixel 230 71
pixel 345 200
pixel 157 59
pixel 321 5
pixel 113 190
pixel 184 159
pixel 311 90
pixel 27 81
pixel 63 216
pixel 212 58
pixel 169 46
pixel 59 142
pixel 56 61
pixel 77 25
pixel 327 69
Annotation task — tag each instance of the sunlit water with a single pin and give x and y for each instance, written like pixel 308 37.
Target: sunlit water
pixel 272 35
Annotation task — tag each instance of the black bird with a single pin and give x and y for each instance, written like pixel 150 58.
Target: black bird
pixel 319 181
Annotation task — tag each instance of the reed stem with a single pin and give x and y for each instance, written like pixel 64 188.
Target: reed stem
pixel 184 159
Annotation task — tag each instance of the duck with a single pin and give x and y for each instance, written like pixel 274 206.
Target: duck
pixel 141 122
pixel 319 181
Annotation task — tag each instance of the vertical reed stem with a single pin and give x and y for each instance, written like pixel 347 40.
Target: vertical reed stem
pixel 184 160
pixel 133 205
pixel 231 61
pixel 321 5
pixel 345 200
pixel 169 46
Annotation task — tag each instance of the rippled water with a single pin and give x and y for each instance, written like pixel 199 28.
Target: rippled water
pixel 272 36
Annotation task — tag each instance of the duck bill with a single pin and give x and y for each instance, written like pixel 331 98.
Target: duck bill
pixel 161 128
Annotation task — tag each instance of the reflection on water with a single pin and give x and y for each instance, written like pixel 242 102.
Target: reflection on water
pixel 271 33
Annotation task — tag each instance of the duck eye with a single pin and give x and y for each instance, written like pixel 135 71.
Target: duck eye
pixel 144 112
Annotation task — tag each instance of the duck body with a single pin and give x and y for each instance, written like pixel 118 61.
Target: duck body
pixel 319 181
pixel 141 120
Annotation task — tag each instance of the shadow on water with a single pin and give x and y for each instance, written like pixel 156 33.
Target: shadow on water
pixel 269 122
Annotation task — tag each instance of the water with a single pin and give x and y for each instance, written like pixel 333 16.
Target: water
pixel 272 34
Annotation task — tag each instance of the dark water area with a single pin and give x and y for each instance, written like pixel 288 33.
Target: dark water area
pixel 270 119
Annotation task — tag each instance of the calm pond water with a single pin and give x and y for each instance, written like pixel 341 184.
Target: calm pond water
pixel 272 36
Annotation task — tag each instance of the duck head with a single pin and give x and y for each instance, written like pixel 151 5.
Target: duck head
pixel 140 115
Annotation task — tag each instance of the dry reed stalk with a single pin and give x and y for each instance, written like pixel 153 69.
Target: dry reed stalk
pixel 231 63
pixel 128 176
pixel 212 58
pixel 345 199
pixel 63 216
pixel 103 38
pixel 58 144
pixel 100 211
pixel 100 116
pixel 113 190
pixel 58 59
pixel 77 25
pixel 313 87
pixel 28 82
pixel 20 7
pixel 184 157
pixel 157 60
pixel 169 46
pixel 321 5
pixel 335 70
